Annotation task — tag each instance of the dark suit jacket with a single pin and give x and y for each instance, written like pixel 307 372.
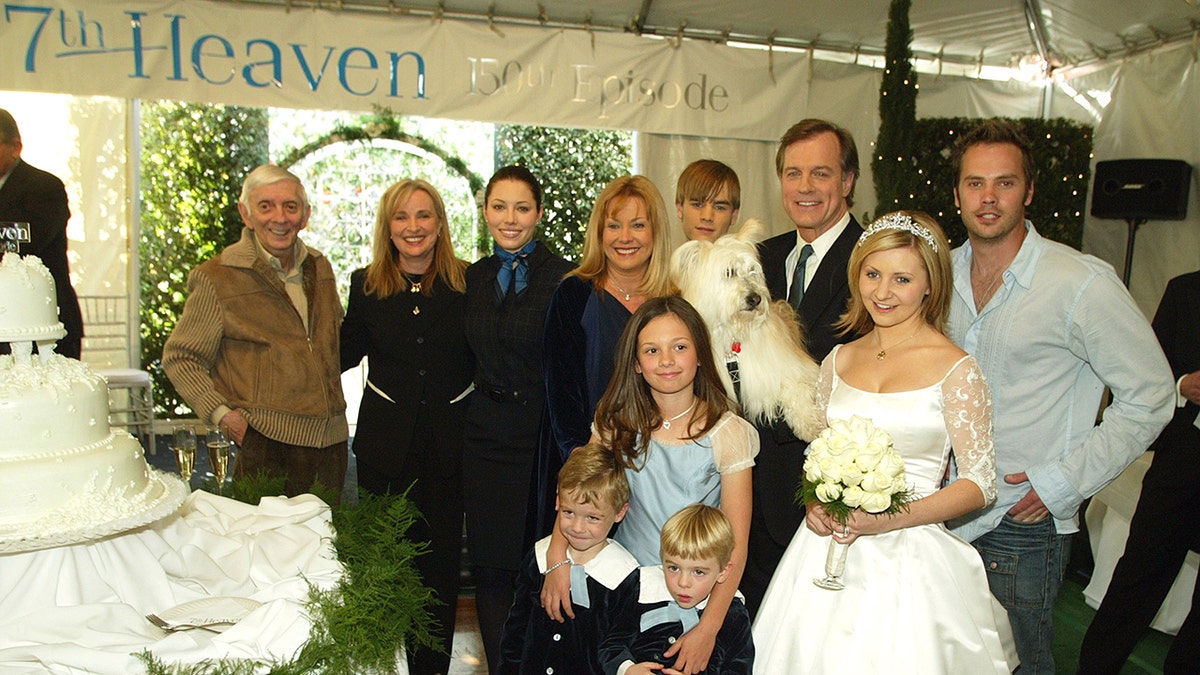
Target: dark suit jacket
pixel 781 456
pixel 1177 326
pixel 1166 523
pixel 1170 498
pixel 38 197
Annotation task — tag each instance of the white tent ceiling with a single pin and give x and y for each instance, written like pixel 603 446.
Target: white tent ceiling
pixel 1069 33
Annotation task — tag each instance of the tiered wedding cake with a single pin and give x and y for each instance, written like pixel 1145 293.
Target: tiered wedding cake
pixel 65 476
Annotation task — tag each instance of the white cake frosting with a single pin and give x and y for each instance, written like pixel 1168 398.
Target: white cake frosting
pixel 28 305
pixel 65 476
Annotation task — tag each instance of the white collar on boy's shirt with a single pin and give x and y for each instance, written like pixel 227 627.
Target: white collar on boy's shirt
pixel 654 587
pixel 610 567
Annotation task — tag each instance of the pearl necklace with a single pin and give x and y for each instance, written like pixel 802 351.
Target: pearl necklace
pixel 667 423
pixel 883 352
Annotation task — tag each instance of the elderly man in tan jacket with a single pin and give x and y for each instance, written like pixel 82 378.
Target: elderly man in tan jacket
pixel 256 348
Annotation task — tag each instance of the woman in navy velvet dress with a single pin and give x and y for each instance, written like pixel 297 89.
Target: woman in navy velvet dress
pixel 626 259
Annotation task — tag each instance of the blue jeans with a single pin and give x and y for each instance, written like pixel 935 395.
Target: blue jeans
pixel 1025 564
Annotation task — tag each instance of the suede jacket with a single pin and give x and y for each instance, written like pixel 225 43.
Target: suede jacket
pixel 241 343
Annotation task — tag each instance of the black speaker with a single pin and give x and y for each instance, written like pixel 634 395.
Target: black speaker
pixel 1141 189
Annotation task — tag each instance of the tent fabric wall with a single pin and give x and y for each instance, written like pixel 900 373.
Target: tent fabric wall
pixel 1153 114
pixel 847 95
pixel 83 141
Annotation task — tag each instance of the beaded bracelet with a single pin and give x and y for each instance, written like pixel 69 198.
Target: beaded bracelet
pixel 556 566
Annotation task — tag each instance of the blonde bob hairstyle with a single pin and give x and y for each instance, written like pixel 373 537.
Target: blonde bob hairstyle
pixel 698 532
pixel 936 305
pixel 594 266
pixel 384 277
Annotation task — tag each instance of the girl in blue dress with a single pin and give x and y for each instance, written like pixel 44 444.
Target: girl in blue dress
pixel 667 417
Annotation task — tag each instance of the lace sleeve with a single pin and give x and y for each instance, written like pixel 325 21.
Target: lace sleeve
pixel 825 389
pixel 967 409
pixel 734 444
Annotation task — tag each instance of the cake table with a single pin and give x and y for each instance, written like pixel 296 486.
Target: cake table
pixel 82 608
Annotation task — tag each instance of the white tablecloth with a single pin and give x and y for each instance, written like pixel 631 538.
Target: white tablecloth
pixel 1108 526
pixel 81 609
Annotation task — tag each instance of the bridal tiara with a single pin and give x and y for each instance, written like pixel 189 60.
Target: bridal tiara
pixel 899 221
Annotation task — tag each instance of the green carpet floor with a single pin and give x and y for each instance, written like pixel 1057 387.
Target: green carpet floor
pixel 1071 619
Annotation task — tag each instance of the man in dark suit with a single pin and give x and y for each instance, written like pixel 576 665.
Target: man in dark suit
pixel 817 164
pixel 30 195
pixel 1166 524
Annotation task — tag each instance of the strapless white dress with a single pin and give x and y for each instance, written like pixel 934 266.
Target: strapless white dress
pixel 916 599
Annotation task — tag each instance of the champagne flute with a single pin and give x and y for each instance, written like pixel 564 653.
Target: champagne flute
pixel 185 451
pixel 218 454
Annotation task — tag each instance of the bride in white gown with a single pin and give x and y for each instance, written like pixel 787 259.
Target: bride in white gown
pixel 916 597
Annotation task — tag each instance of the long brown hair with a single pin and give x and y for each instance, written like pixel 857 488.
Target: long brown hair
pixel 627 413
pixel 384 277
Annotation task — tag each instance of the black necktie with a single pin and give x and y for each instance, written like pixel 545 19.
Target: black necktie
pixel 797 292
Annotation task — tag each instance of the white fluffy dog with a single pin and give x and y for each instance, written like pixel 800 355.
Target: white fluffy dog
pixel 724 281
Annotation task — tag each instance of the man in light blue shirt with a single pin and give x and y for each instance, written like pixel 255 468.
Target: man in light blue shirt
pixel 1051 328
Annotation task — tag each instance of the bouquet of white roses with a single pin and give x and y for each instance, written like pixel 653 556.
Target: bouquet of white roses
pixel 853 465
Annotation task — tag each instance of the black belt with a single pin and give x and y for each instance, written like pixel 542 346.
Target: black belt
pixel 507 395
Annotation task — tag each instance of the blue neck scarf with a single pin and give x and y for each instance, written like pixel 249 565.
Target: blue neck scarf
pixel 514 269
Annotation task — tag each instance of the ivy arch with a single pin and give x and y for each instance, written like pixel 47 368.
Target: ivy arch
pixel 348 169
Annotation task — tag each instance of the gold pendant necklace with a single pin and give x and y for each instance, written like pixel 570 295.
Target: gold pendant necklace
pixel 883 352
pixel 413 287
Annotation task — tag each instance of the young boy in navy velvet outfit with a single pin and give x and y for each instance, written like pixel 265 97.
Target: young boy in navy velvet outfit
pixel 697 544
pixel 593 494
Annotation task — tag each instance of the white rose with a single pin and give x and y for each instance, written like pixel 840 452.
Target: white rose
pixel 875 481
pixel 828 492
pixel 838 446
pixel 880 437
pixel 867 457
pixel 839 427
pixel 876 502
pixel 830 468
pixel 812 471
pixel 891 464
pixel 850 475
pixel 853 496
pixel 861 429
